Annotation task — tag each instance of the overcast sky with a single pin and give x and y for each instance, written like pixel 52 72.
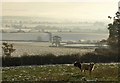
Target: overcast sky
pixel 61 9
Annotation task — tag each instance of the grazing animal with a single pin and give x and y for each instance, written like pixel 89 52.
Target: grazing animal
pixel 84 66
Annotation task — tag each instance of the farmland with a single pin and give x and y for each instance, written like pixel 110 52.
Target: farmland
pixel 39 48
pixel 67 72
pixel 108 72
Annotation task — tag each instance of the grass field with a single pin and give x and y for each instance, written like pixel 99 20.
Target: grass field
pixel 102 72
pixel 65 72
pixel 39 48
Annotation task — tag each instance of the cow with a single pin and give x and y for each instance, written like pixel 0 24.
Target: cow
pixel 84 66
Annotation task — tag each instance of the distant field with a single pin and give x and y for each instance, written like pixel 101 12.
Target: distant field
pixel 38 48
pixel 102 72
pixel 66 36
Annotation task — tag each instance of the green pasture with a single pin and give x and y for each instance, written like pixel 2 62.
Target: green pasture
pixel 101 72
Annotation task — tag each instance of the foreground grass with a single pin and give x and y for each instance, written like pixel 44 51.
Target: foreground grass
pixel 102 72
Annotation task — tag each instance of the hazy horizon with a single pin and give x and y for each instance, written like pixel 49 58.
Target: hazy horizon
pixel 84 11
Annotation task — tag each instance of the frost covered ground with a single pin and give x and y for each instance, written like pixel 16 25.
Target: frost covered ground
pixel 38 48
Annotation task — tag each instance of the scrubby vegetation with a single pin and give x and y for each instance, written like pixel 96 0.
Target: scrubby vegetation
pixel 114 32
pixel 52 59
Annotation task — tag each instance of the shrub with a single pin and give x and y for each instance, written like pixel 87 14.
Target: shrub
pixel 61 59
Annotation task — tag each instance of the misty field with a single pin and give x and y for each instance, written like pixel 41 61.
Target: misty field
pixel 102 72
pixel 39 48
pixel 108 72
